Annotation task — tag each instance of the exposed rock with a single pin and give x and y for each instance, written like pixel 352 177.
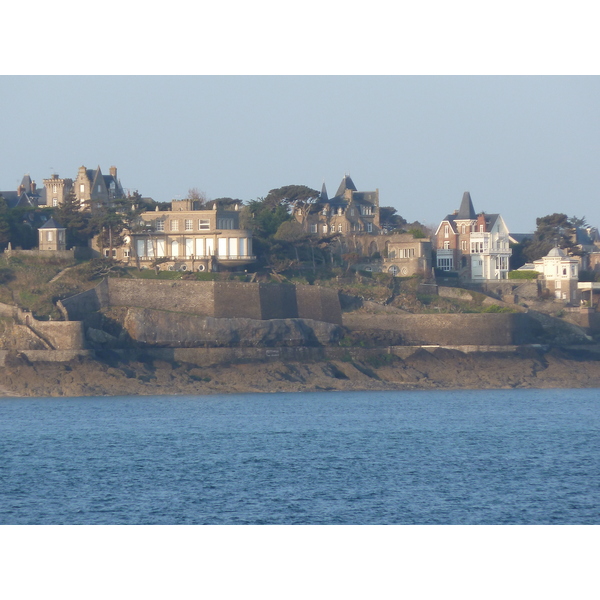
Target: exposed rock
pixel 166 329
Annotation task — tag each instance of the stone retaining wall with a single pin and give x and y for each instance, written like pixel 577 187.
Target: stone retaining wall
pixel 225 299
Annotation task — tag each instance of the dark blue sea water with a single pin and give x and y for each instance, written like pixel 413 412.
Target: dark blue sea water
pixel 451 457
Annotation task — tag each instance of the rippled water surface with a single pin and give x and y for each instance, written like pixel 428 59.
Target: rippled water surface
pixel 493 457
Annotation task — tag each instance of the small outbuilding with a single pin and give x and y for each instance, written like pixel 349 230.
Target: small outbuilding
pixel 52 237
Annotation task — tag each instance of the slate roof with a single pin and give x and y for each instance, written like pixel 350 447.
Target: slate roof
pixel 51 224
pixel 347 184
pixel 466 210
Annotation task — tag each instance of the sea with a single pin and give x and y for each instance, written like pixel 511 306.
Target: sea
pixel 494 457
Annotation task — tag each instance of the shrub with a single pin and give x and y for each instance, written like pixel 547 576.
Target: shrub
pixel 523 274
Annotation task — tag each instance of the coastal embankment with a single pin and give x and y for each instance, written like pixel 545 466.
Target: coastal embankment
pixel 114 373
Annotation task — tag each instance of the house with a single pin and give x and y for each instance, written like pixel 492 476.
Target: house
pixel 559 274
pixel 93 189
pixel 52 236
pixel 57 188
pixel 406 255
pixel 184 238
pixel 26 195
pixel 349 212
pixel 477 246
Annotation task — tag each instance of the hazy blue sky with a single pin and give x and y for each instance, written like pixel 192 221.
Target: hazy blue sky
pixel 523 146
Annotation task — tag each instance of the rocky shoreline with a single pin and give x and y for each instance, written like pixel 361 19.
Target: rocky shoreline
pixel 440 369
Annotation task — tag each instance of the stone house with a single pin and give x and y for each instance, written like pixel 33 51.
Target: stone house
pixel 476 246
pixel 184 238
pixel 52 237
pixel 93 189
pixel 351 213
pixel 405 255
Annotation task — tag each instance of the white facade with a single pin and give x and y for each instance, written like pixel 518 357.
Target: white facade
pixel 560 274
pixel 490 252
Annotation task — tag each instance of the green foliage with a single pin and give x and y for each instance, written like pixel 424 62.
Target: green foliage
pixel 523 274
pixel 494 308
pixel 552 230
pixel 417 233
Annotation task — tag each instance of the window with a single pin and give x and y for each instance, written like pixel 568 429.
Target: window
pixel 366 210
pixel 160 225
pixel 81 188
pixel 370 227
pixel 188 225
pixel 324 228
pixel 446 245
pixel 203 224
pixel 446 230
pixel 313 228
pixel 481 229
pixel 340 211
pixel 174 227
pixel 463 244
pixel 54 188
pixel 126 253
pixel 50 236
pixel 464 229
pixel 445 264
pixel 351 212
pixel 340 228
pixel 54 201
pixel 99 188
pixel 224 223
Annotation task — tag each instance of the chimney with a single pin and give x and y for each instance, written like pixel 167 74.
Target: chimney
pixel 20 189
pixel 33 187
pixel 113 172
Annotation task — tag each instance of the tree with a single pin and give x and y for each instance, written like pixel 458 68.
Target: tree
pixel 293 197
pixel 196 194
pixel 389 218
pixel 292 232
pixel 75 220
pixel 552 230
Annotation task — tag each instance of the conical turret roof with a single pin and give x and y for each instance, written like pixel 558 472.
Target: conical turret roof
pixel 466 210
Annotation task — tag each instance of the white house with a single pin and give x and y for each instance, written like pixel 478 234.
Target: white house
pixel 560 274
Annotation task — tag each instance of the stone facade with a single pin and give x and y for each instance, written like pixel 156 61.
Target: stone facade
pixel 57 188
pixel 93 189
pixel 186 238
pixel 52 237
pixel 211 299
pixel 349 212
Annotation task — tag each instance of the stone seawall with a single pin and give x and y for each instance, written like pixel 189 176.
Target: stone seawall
pixel 26 331
pixel 452 329
pixel 219 299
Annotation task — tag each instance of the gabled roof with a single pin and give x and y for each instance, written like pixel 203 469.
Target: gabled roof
pixel 466 210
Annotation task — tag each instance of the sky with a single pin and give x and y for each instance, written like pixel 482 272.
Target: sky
pixel 523 146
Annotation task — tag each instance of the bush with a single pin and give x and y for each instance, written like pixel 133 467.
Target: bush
pixel 523 274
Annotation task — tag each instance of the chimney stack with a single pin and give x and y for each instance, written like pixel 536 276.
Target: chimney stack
pixel 113 172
